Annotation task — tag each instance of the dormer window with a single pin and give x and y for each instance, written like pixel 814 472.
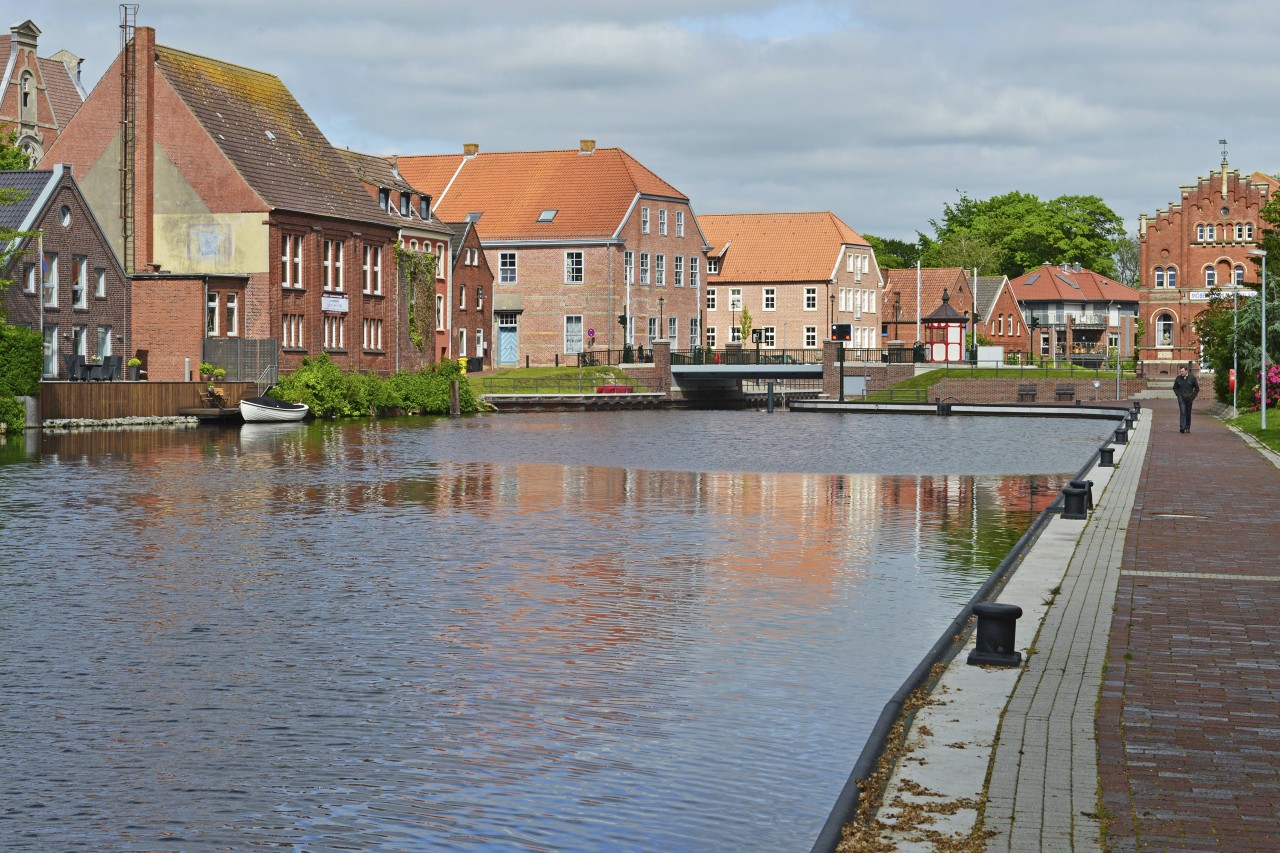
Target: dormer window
pixel 548 215
pixel 404 204
pixel 384 198
pixel 424 207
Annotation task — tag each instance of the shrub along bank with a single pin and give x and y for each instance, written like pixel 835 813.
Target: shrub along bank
pixel 332 392
pixel 21 353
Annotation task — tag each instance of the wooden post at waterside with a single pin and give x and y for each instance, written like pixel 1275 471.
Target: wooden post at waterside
pixel 455 407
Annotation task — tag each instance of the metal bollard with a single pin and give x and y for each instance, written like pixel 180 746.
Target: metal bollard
pixel 1107 457
pixel 1087 485
pixel 944 409
pixel 1075 502
pixel 997 629
pixel 1121 436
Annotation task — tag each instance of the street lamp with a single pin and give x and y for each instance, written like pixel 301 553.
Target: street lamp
pixel 1262 253
pixel 662 318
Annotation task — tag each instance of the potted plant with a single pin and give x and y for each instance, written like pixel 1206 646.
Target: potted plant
pixel 206 371
pixel 135 368
pixel 219 373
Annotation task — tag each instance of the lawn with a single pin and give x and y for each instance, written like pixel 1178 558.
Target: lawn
pixel 925 381
pixel 548 380
pixel 1251 424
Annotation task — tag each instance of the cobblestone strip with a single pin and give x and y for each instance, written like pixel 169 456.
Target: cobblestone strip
pixel 1043 793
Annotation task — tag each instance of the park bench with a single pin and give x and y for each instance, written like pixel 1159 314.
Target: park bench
pixel 1027 393
pixel 1065 392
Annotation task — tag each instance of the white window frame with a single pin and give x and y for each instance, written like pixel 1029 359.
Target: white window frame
pixel 693 271
pixel 507 269
pixel 769 337
pixel 80 284
pixel 662 222
pixel 231 304
pixel 711 299
pixel 735 299
pixel 479 338
pixel 100 285
pixel 1164 323
pixel 50 295
pixel 677 270
pixel 1157 278
pixel 212 305
pixel 442 252
pixel 810 337
pixel 660 270
pixel 1239 277
pixel 572 321
pixel 644 220
pixel 32 281
pixel 574 268
pixel 711 337
pixel 713 266
pixel 694 332
pixel 673 329
pixel 811 299
pixel 769 299
pixel 679 223
pixel 1200 233
pixel 1210 275
pixel 1171 277
pixel 653 330
pixel 462 297
pixel 439 312
pixel 104 341
pixel 644 268
pixel 629 267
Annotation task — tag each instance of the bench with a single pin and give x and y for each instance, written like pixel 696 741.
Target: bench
pixel 1027 393
pixel 613 389
pixel 1065 392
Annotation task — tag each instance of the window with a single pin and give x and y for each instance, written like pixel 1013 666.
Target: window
pixel 479 298
pixel 769 336
pixel 384 199
pixel 673 328
pixel 1159 277
pixel 711 337
pixel 713 266
pixel 1172 275
pixel 462 297
pixel 644 267
pixel 50 350
pixel 1248 230
pixel 1211 231
pixel 644 220
pixel 507 268
pixel 871 301
pixel 573 334
pixel 462 342
pixel 233 314
pixel 291 261
pixel 1164 330
pixel 442 253
pixel 372 335
pixel 1209 276
pixel 30 278
pixel 479 343
pixel 1239 230
pixel 78 342
pixel 662 221
pixel 291 338
pixel 413 245
pixel 1239 271
pixel 711 299
pixel 810 337
pixel 79 286
pixel 693 272
pixel 333 328
pixel 679 223
pixel 372 270
pixel 104 341
pixel 439 312
pixel 735 334
pixel 811 299
pixel 770 299
pixel 629 267
pixel 660 270
pixel 405 201
pixel 735 299
pixel 1000 326
pixel 51 280
pixel 693 332
pixel 211 314
pixel 100 289
pixel 1200 233
pixel 677 270
pixel 573 268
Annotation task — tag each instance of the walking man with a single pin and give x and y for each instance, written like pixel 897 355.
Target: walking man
pixel 1185 388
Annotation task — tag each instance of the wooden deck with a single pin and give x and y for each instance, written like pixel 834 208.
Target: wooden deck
pixel 103 400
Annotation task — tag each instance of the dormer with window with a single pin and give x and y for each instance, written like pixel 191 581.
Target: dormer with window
pixel 384 199
pixel 406 201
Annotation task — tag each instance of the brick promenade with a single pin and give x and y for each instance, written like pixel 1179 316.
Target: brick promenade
pixel 1188 724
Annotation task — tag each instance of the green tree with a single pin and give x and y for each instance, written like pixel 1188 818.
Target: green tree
pixel 1126 260
pixel 893 254
pixel 745 324
pixel 12 158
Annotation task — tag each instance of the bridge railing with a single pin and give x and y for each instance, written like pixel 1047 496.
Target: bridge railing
pixel 557 385
pixel 747 356
pixel 615 357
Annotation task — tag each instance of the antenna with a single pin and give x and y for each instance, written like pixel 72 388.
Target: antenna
pixel 1223 143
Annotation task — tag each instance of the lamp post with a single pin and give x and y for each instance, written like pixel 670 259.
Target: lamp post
pixel 1262 253
pixel 831 315
pixel 662 319
pixel 1235 347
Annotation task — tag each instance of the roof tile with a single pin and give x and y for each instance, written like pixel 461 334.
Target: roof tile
pixel 777 247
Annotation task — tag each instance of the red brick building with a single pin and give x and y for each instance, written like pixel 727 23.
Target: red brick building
pixel 38 95
pixel 1194 246
pixel 999 316
pixel 796 274
pixel 215 170
pixel 576 238
pixel 472 294
pixel 67 282
pixel 1075 315
pixel 901 313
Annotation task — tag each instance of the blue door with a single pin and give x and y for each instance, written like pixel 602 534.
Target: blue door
pixel 508 342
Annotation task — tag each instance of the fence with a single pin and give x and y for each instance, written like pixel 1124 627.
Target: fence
pixel 553 385
pixel 244 359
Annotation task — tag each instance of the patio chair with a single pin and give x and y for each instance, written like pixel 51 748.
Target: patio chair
pixel 75 365
pixel 111 367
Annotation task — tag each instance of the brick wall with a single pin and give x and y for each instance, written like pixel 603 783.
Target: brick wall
pixel 168 322
pixel 1006 390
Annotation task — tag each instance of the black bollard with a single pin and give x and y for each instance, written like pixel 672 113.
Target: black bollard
pixel 1121 436
pixel 995 635
pixel 1087 485
pixel 1075 502
pixel 1107 457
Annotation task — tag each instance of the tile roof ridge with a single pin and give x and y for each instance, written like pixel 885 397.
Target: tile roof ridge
pixel 160 47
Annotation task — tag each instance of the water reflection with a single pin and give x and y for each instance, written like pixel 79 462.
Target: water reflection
pixel 433 634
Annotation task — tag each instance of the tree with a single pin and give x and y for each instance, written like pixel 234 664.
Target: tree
pixel 744 324
pixel 1126 259
pixel 893 254
pixel 1015 232
pixel 12 158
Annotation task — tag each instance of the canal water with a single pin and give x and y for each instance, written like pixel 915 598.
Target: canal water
pixel 607 631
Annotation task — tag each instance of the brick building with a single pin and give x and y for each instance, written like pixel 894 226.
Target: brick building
pixel 473 293
pixel 795 273
pixel 38 95
pixel 1075 315
pixel 212 169
pixel 901 313
pixel 577 238
pixel 1195 245
pixel 999 316
pixel 67 282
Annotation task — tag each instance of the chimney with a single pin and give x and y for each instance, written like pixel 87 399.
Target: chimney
pixel 470 149
pixel 144 45
pixel 586 146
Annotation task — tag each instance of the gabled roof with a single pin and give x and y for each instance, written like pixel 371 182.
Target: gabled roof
pixel 460 230
pixel 61 85
pixel 900 290
pixel 944 312
pixel 1051 283
pixel 591 193
pixel 32 184
pixel 985 290
pixel 267 137
pixel 778 247
pixel 381 173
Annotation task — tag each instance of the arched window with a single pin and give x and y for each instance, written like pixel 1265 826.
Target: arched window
pixel 1211 231
pixel 1209 276
pixel 1239 231
pixel 27 99
pixel 1240 280
pixel 1000 329
pixel 1248 230
pixel 1160 278
pixel 1200 232
pixel 1164 330
pixel 1172 274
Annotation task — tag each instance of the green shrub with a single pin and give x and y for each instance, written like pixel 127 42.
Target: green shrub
pixel 13 413
pixel 21 360
pixel 334 393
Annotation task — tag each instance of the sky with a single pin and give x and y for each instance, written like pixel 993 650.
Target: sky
pixel 882 112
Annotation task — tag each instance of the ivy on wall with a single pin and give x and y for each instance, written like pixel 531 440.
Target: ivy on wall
pixel 419 271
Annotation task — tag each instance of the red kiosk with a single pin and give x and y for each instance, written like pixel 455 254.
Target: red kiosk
pixel 944 332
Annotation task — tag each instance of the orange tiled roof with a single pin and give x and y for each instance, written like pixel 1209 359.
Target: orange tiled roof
pixel 591 193
pixel 900 290
pixel 272 142
pixel 778 247
pixel 1051 283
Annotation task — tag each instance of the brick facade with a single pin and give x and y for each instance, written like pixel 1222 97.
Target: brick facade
pixel 1206 234
pixel 474 310
pixel 168 317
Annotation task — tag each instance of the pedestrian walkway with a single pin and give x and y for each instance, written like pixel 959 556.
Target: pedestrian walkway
pixel 1174 584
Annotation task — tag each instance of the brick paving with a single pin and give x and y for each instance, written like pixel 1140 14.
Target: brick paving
pixel 1188 724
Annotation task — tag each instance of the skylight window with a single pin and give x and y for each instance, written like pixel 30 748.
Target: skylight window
pixel 271 136
pixel 475 217
pixel 547 215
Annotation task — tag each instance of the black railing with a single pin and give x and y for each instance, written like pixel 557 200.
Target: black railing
pixel 557 385
pixel 615 357
pixel 746 355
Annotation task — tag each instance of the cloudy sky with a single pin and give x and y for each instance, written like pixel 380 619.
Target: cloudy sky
pixel 878 111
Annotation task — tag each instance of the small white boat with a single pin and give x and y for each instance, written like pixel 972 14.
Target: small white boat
pixel 271 410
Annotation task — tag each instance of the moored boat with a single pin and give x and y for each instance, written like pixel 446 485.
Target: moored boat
pixel 269 409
